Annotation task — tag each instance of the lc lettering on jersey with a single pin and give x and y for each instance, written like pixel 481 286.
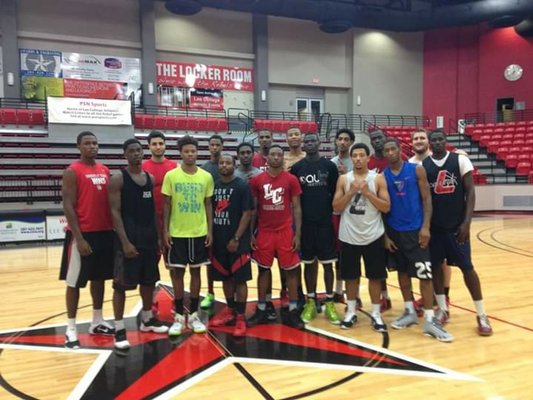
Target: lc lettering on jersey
pixel 445 183
pixel 275 194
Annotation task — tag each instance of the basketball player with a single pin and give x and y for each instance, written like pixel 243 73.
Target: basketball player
pixel 453 196
pixel 274 192
pixel 216 144
pixel 136 243
pixel 407 237
pixel 361 197
pixel 260 159
pixel 230 257
pixel 188 218
pixel 245 170
pixel 318 180
pixel 88 247
pixel 295 154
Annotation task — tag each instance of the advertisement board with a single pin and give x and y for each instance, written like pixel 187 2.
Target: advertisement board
pixel 68 110
pixel 55 227
pixel 22 228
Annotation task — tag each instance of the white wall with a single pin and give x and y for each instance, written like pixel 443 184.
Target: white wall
pixel 491 197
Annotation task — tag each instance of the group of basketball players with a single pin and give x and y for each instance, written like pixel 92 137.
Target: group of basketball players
pixel 298 207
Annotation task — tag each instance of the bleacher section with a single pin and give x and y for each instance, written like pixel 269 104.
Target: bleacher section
pixel 22 117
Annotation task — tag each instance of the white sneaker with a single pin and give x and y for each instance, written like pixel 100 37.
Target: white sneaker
pixel 405 320
pixel 195 324
pixel 177 326
pixel 71 339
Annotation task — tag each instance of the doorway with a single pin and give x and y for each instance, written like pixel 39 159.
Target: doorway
pixel 504 109
pixel 309 109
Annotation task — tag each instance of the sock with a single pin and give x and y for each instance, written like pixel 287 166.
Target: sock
pixel 71 324
pixel 119 325
pixel 329 296
pixel 268 297
pixel 178 306
pixel 261 305
pixel 146 315
pixel 98 316
pixel 338 286
pixel 194 305
pixel 230 301
pixel 447 291
pixel 429 315
pixel 376 311
pixel 351 306
pixel 240 307
pixel 293 305
pixel 311 295
pixel 480 307
pixel 385 294
pixel 409 305
pixel 441 302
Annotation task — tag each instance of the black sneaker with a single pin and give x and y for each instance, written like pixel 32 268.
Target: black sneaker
pixel 318 304
pixel 153 325
pixel 259 317
pixel 272 315
pixel 294 319
pixel 103 328
pixel 348 323
pixel 378 327
pixel 121 342
pixel 71 341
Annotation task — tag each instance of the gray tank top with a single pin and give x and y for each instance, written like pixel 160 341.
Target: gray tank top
pixel 361 222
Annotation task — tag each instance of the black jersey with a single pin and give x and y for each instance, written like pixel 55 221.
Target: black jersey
pixel 318 180
pixel 230 201
pixel 138 212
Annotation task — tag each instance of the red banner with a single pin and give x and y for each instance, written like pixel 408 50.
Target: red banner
pixel 204 76
pixel 94 89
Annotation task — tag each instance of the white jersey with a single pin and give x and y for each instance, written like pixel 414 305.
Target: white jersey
pixel 361 222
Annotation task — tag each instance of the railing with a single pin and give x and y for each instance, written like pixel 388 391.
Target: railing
pixel 6 102
pixel 500 116
pixel 180 112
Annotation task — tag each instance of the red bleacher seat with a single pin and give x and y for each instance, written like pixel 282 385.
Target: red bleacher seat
pixel 37 117
pixel 23 116
pixel 160 122
pixel 523 168
pixel 502 152
pixel 192 123
pixel 520 129
pixel 203 125
pixel 524 157
pixel 519 142
pixel 484 139
pixel 508 136
pixel 138 121
pixel 8 116
pixel 181 123
pixel 492 146
pixel 476 133
pixel 511 160
pixel 509 129
pixel 515 150
pixel 172 123
pixel 506 142
pixel 500 130
pixel 222 125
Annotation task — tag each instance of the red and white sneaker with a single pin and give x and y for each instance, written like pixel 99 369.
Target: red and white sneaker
pixel 419 307
pixel 386 304
pixel 240 326
pixel 225 318
pixel 442 316
pixel 284 298
pixel 483 325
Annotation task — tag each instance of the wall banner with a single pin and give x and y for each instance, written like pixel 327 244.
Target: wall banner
pixel 56 226
pixel 22 228
pixel 67 110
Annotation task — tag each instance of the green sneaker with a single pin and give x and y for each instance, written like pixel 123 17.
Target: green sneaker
pixel 309 312
pixel 331 313
pixel 208 302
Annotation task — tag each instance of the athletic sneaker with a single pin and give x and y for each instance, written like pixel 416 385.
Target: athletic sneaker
pixel 259 317
pixel 208 301
pixel 121 340
pixel 405 320
pixel 177 326
pixel 419 307
pixel 435 329
pixel 319 304
pixel 378 327
pixel 102 328
pixel 349 321
pixel 309 312
pixel 483 326
pixel 272 315
pixel 386 304
pixel 294 319
pixel 339 298
pixel 153 325
pixel 331 313
pixel 195 324
pixel 225 318
pixel 240 326
pixel 284 298
pixel 71 339
pixel 442 316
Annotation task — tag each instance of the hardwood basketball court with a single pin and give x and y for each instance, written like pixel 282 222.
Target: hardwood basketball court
pixel 274 361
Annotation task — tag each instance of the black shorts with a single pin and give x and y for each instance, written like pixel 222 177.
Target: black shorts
pixel 410 257
pixel 98 266
pixel 444 246
pixel 373 254
pixel 141 270
pixel 187 251
pixel 318 242
pixel 225 266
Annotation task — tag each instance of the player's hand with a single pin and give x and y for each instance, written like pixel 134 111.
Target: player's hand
pixel 390 245
pixel 463 233
pixel 129 250
pixel 363 187
pixel 423 237
pixel 341 168
pixel 232 246
pixel 253 243
pixel 295 243
pixel 84 248
pixel 208 240
pixel 167 241
pixel 354 187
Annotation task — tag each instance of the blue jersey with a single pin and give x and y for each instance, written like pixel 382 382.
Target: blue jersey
pixel 406 212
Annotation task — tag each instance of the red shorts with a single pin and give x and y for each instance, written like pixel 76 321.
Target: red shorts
pixel 336 219
pixel 277 244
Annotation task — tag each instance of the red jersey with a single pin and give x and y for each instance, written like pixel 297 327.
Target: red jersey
pixel 379 164
pixel 158 170
pixel 274 194
pixel 260 161
pixel 92 202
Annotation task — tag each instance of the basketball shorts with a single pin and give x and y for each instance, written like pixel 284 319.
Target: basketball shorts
pixel 410 257
pixel 276 244
pixel 225 266
pixel 77 270
pixel 141 270
pixel 188 252
pixel 373 254
pixel 318 242
pixel 444 246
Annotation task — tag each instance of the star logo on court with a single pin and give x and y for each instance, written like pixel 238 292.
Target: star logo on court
pixel 156 367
